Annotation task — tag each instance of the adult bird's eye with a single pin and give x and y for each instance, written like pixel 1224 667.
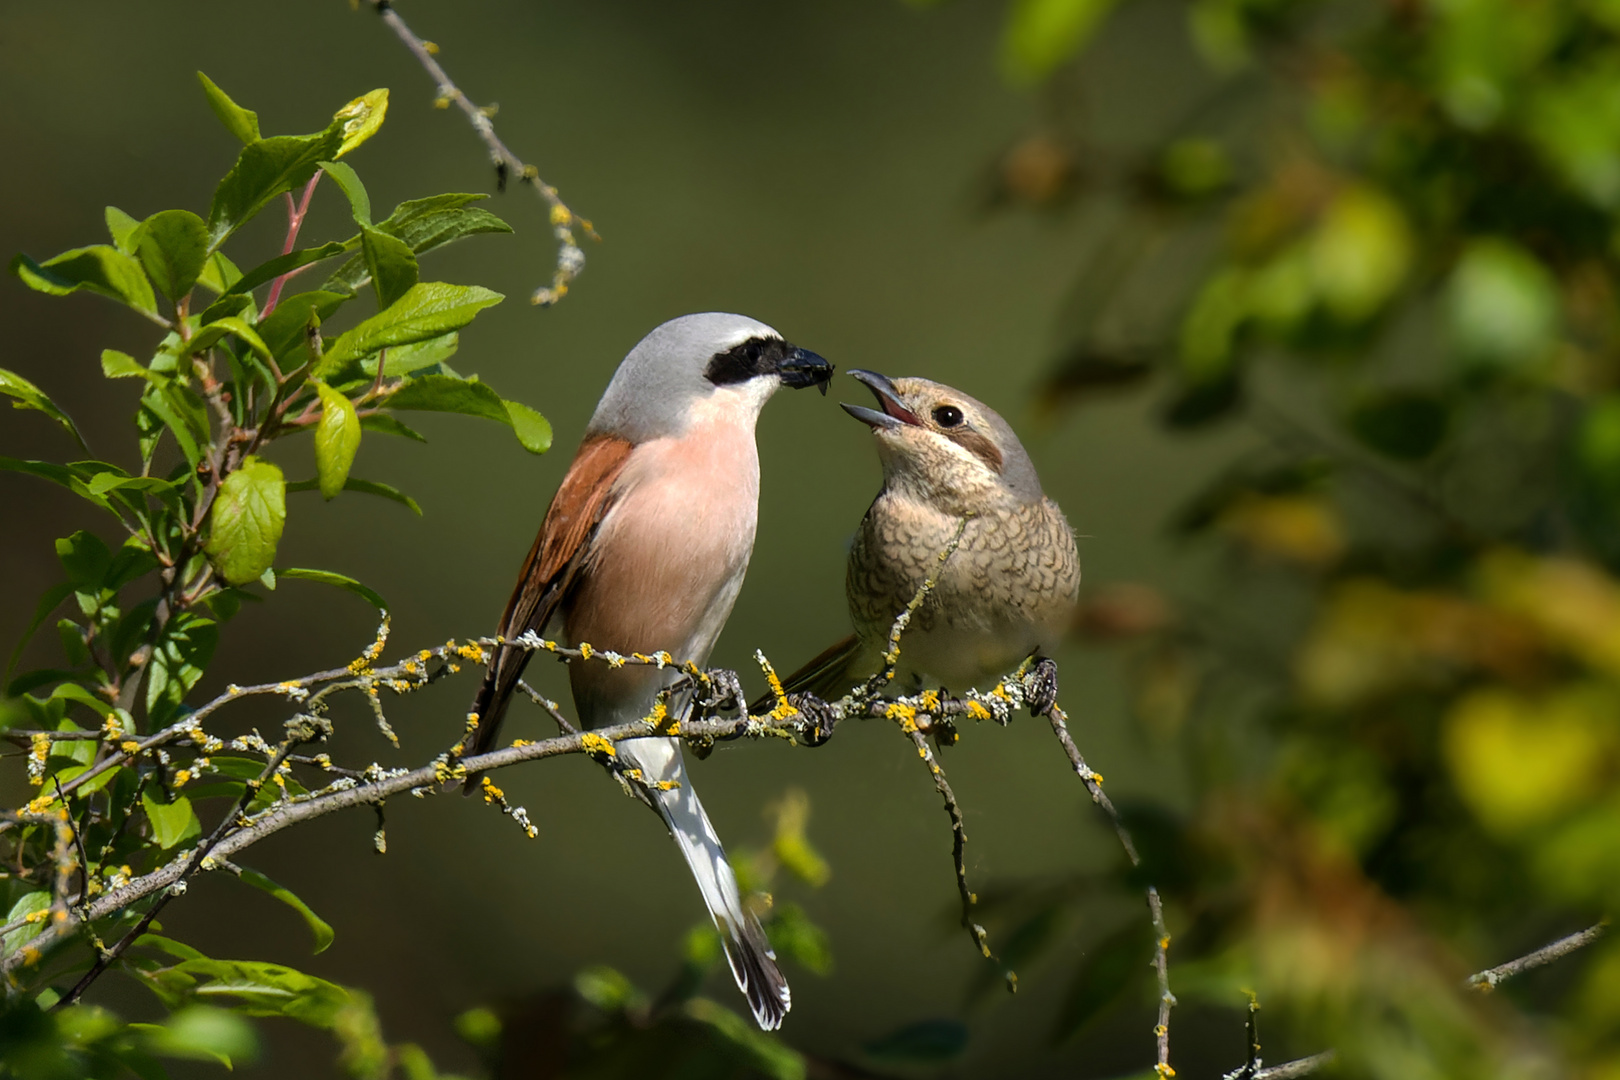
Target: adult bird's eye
pixel 947 416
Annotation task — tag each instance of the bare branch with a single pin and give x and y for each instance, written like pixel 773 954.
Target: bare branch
pixel 570 259
pixel 1299 1067
pixel 1489 979
pixel 1161 967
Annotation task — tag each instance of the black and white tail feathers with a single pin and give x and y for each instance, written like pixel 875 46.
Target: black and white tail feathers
pixel 753 964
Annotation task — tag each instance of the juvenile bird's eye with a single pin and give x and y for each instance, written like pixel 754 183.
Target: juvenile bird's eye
pixel 947 416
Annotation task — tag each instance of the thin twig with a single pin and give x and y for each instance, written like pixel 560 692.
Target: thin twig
pixel 977 933
pixel 295 221
pixel 1299 1067
pixel 1161 967
pixel 1489 979
pixel 570 259
pixel 549 706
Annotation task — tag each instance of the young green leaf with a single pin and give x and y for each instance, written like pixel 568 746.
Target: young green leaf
pixel 178 661
pixel 173 246
pixel 337 438
pixel 366 487
pixel 423 224
pixel 264 170
pixel 99 269
pixel 445 393
pixel 406 359
pixel 318 926
pixel 227 324
pixel 361 118
pixel 219 273
pixel 243 123
pixel 200 1033
pixel 428 309
pixel 389 426
pixel 389 262
pixel 327 577
pixel 172 823
pixel 282 264
pixel 120 226
pixel 183 413
pixel 531 429
pixel 29 396
pixel 29 904
pixel 245 523
pixel 349 182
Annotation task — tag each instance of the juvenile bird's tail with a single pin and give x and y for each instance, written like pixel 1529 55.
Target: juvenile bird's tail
pixel 753 964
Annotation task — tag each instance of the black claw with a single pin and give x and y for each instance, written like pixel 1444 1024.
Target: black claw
pixel 725 691
pixel 1042 687
pixel 818 715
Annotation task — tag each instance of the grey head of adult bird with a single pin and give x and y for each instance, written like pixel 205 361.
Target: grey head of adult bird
pixel 643 549
pixel 1010 588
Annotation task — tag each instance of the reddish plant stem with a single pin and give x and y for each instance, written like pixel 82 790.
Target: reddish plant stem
pixel 295 221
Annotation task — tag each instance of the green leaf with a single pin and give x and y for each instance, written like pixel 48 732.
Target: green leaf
pixel 264 170
pixel 1359 254
pixel 1402 424
pixel 85 558
pixel 243 123
pixel 183 413
pixel 29 396
pixel 258 989
pixel 407 359
pixel 337 438
pixel 389 262
pixel 432 222
pixel 282 264
pixel 1041 34
pixel 796 938
pixel 173 246
pixel 361 118
pixel 1502 304
pixel 426 310
pixel 118 365
pixel 367 487
pixel 219 273
pixel 28 904
pixel 531 429
pixel 202 1033
pixel 209 335
pixel 284 329
pixel 445 393
pixel 69 478
pixel 318 926
pixel 238 304
pixel 349 182
pixel 424 224
pixel 120 226
pixel 49 601
pixel 389 426
pixel 246 520
pixel 326 577
pixel 99 269
pixel 172 823
pixel 178 661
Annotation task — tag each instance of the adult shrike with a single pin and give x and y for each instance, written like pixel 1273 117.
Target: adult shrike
pixel 644 549
pixel 1010 588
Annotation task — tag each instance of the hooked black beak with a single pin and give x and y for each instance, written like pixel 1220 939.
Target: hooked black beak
pixel 894 411
pixel 801 368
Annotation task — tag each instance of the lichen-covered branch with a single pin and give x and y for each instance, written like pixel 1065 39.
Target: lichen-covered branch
pixel 570 258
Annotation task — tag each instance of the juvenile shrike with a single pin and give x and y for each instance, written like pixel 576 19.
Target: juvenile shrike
pixel 643 550
pixel 1013 583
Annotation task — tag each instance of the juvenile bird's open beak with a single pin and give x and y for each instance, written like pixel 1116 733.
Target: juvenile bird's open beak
pixel 894 411
pixel 801 368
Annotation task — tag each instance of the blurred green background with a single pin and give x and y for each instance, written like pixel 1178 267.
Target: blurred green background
pixel 1361 255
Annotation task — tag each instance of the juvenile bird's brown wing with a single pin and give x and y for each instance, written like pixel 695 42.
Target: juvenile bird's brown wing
pixel 553 565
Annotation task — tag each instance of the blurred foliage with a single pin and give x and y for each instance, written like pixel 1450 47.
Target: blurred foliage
pixel 1383 238
pixel 123 773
